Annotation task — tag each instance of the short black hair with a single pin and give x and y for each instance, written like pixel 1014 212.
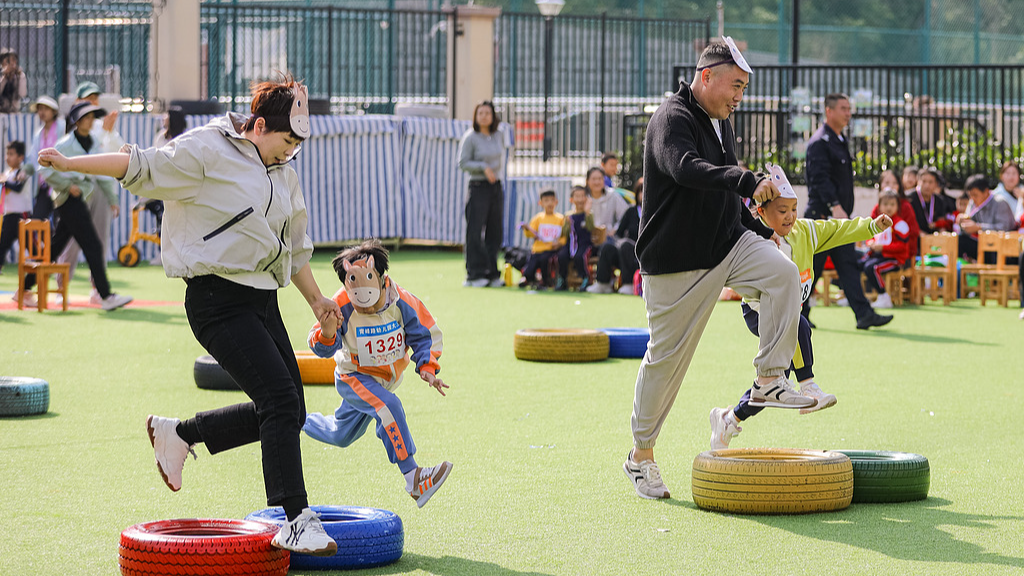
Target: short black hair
pixel 887 194
pixel 609 156
pixel 976 182
pixel 548 193
pixel 831 99
pixel 578 187
pixel 934 172
pixel 368 247
pixel 18 146
pixel 272 101
pixel 495 120
pixel 714 54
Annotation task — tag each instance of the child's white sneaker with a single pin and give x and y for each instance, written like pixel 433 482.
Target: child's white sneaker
pixel 600 288
pixel 823 400
pixel 305 535
pixel 171 451
pixel 883 301
pixel 427 481
pixel 723 428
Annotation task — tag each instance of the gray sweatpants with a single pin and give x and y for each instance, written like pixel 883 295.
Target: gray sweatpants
pixel 679 306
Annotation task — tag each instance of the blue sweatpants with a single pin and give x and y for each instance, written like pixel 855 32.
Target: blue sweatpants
pixel 363 400
pixel 805 358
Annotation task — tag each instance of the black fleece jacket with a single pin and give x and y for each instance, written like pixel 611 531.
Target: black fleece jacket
pixel 693 210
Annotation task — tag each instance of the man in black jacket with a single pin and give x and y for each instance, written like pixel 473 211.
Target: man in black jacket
pixel 696 237
pixel 830 195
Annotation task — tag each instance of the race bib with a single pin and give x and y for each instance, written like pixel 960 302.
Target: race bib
pixel 548 233
pixel 806 283
pixel 380 345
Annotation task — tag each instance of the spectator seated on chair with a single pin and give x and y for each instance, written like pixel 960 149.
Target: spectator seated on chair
pixel 985 211
pixel 546 230
pixel 888 179
pixel 608 209
pixel 889 250
pixel 577 240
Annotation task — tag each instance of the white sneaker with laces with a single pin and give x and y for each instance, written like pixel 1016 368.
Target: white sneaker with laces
pixel 778 393
pixel 305 535
pixel 427 481
pixel 646 478
pixel 600 288
pixel 171 450
pixel 823 400
pixel 723 428
pixel 115 301
pixel 883 301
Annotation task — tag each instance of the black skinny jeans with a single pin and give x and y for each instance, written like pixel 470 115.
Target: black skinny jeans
pixel 242 328
pixel 74 221
pixel 483 229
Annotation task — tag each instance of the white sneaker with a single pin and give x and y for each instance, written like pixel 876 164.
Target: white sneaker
pixel 600 288
pixel 646 478
pixel 28 299
pixel 114 301
pixel 427 481
pixel 94 297
pixel 883 301
pixel 723 428
pixel 842 302
pixel 478 283
pixel 626 289
pixel 305 535
pixel 496 283
pixel 811 390
pixel 171 450
pixel 1021 317
pixel 778 393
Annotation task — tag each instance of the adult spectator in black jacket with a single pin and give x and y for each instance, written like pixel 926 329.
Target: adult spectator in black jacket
pixel 695 238
pixel 830 195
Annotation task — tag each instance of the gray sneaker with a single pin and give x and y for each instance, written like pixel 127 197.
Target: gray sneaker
pixel 778 393
pixel 646 478
pixel 114 301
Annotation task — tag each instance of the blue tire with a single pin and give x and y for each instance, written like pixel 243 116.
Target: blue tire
pixel 366 537
pixel 627 342
pixel 23 396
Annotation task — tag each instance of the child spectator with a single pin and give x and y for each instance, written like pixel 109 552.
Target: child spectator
pixel 1010 188
pixel 608 208
pixel 801 239
pixel 889 250
pixel 16 199
pixel 932 207
pixel 628 232
pixel 610 168
pixel 887 181
pixel 51 129
pixel 577 240
pixel 546 230
pixel 13 86
pixel 379 322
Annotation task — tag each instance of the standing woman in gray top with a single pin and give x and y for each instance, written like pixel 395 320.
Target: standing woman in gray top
pixel 482 156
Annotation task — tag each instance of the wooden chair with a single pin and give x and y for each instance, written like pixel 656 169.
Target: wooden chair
pixel 825 295
pixel 989 242
pixel 936 281
pixel 998 281
pixel 34 258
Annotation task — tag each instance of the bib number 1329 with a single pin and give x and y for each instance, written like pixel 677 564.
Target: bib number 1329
pixel 380 345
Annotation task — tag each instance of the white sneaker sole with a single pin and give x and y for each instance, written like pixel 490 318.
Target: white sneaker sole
pixel 330 550
pixel 768 404
pixel 827 402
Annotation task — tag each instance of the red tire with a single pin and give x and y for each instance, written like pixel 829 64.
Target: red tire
pixel 197 547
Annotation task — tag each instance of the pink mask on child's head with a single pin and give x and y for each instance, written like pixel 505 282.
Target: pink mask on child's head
pixel 778 177
pixel 299 116
pixel 363 285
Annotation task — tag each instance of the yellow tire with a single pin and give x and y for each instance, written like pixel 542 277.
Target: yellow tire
pixel 772 481
pixel 314 369
pixel 561 345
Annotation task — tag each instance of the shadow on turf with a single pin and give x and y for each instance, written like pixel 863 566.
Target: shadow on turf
pixel 43 416
pixel 443 566
pixel 907 531
pixel 146 315
pixel 929 338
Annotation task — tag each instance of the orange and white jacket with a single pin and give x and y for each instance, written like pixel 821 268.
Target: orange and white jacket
pixel 377 344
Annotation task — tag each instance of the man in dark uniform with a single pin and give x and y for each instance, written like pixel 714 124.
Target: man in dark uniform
pixel 830 195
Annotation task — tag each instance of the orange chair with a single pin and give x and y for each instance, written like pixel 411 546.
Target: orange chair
pixel 998 281
pixel 940 280
pixel 34 258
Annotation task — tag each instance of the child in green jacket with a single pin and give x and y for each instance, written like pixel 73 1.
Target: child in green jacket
pixel 800 239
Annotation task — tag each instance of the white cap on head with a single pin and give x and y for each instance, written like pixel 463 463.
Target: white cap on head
pixel 778 177
pixel 299 117
pixel 737 56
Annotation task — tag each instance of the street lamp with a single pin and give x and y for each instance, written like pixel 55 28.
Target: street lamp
pixel 549 9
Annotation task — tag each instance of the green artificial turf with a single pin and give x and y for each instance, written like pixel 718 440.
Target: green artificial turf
pixel 537 486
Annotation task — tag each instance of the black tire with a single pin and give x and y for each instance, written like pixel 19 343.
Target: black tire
pixel 366 537
pixel 888 476
pixel 23 396
pixel 627 342
pixel 210 376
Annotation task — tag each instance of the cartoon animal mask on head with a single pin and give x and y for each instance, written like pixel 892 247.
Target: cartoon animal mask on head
pixel 364 286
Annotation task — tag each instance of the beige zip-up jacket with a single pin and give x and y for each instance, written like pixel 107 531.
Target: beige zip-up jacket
pixel 225 213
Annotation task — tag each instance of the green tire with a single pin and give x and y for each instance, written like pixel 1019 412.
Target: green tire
pixel 885 477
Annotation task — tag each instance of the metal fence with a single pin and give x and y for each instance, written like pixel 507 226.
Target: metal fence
pixel 359 60
pixel 567 84
pixel 60 44
pixel 960 119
